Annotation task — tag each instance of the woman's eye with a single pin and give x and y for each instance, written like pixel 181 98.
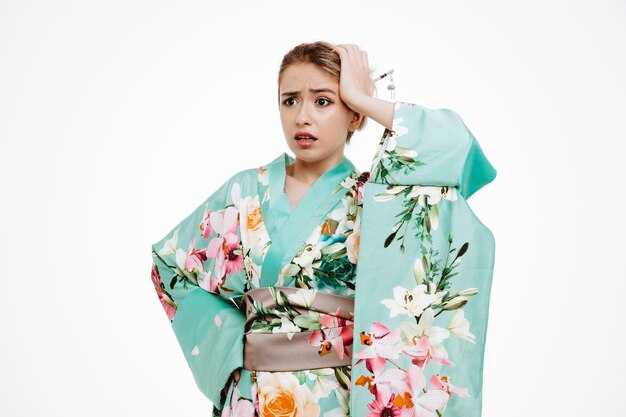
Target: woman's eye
pixel 289 101
pixel 323 101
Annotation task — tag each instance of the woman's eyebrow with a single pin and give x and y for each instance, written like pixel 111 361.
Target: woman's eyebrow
pixel 312 90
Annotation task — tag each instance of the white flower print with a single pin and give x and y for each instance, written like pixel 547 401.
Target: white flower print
pixel 170 246
pixel 459 326
pixel 411 303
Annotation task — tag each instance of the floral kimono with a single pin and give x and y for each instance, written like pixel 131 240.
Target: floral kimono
pixel 401 335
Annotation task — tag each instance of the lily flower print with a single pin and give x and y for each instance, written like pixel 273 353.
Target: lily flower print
pixel 411 303
pixel 425 342
pixel 286 326
pixel 414 401
pixel 426 328
pixel 324 382
pixel 336 338
pixel 170 245
pixel 434 194
pixel 205 226
pixel 333 320
pixel 382 381
pixel 380 342
pixel 303 297
pixel 226 247
pixel 166 300
pixel 343 398
pixel 460 326
pixel 444 384
pixel 192 260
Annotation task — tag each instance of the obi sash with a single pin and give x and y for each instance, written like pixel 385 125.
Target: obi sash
pixel 320 338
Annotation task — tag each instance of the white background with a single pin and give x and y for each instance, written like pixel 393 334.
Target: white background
pixel 118 118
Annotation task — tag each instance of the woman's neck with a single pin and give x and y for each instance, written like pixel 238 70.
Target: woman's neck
pixel 308 172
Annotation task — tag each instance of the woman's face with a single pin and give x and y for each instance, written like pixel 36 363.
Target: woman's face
pixel 310 105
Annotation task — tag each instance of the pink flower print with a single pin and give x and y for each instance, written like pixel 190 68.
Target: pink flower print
pixel 226 247
pixel 423 351
pixel 207 282
pixel 359 189
pixel 213 285
pixel 334 320
pixel 383 407
pixel 444 384
pixel 166 300
pixel 335 339
pixel 416 403
pixel 242 408
pixel 233 255
pixel 383 380
pixel 238 407
pixel 380 343
pixel 255 397
pixel 425 341
pixel 205 226
pixel 194 261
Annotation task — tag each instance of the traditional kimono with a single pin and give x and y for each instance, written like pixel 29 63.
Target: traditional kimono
pixel 370 298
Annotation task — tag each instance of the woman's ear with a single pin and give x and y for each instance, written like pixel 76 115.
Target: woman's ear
pixel 357 118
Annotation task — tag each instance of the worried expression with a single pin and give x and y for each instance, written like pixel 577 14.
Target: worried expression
pixel 315 120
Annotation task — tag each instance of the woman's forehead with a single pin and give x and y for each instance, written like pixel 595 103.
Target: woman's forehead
pixel 307 75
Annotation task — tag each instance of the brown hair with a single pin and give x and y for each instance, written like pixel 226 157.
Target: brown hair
pixel 318 53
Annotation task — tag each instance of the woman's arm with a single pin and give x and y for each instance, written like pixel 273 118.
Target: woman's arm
pixel 375 108
pixel 356 86
pixel 197 290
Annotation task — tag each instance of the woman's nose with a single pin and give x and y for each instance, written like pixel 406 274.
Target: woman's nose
pixel 303 116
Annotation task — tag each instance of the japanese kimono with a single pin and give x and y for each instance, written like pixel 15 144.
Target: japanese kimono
pixel 369 298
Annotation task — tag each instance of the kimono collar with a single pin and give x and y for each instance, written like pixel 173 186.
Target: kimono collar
pixel 289 227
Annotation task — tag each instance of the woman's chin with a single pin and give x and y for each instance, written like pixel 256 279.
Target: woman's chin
pixel 306 144
pixel 303 151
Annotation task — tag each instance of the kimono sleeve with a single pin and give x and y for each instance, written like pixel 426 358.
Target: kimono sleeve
pixel 193 267
pixel 433 147
pixel 424 273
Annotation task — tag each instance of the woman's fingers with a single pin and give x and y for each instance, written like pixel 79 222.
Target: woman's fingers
pixel 339 49
pixel 355 55
pixel 355 76
pixel 349 48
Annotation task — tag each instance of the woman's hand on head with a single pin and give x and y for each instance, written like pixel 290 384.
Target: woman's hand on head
pixel 356 86
pixel 355 83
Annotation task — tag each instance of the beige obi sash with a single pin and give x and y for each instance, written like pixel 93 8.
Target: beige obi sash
pixel 291 329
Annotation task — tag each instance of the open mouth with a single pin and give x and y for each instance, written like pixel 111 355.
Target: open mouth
pixel 304 136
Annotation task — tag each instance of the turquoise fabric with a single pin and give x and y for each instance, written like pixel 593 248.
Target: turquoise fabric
pixel 193 326
pixel 401 240
pixel 443 150
pixel 439 243
pixel 215 355
pixel 294 225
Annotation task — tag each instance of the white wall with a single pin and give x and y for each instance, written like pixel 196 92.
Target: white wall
pixel 116 117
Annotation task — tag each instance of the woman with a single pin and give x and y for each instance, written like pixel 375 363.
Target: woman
pixel 260 280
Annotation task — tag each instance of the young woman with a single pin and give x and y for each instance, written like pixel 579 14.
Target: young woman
pixel 260 281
